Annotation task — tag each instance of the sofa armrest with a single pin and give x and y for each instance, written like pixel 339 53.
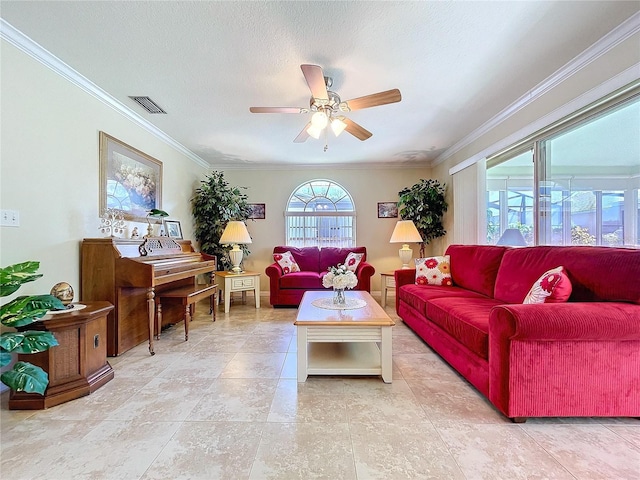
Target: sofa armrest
pixel 364 272
pixel 405 276
pixel 273 271
pixel 566 321
pixel 562 359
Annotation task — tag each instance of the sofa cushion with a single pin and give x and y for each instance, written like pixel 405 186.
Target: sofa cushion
pixel 466 319
pixel 300 280
pixel 307 257
pixel 597 273
pixel 332 256
pixel 353 260
pixel 553 286
pixel 476 268
pixel 418 296
pixel 287 262
pixel 433 271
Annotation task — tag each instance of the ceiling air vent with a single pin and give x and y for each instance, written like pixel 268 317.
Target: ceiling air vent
pixel 148 104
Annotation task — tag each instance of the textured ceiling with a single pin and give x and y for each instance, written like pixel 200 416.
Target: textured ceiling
pixel 457 65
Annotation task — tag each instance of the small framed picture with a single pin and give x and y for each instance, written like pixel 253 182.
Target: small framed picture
pixel 257 211
pixel 173 229
pixel 387 210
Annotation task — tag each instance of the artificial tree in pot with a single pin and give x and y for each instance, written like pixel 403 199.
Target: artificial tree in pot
pixel 214 205
pixel 20 312
pixel 424 203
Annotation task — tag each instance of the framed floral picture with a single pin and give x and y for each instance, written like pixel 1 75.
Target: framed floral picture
pixel 387 210
pixel 130 180
pixel 257 211
pixel 173 229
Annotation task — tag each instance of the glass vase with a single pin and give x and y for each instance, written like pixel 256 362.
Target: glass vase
pixel 338 296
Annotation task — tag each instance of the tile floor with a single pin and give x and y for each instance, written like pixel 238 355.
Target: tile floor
pixel 226 405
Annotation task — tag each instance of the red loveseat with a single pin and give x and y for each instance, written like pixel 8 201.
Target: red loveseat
pixel 579 358
pixel 314 262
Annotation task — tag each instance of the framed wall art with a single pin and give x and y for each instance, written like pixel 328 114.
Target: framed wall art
pixel 130 180
pixel 387 210
pixel 257 211
pixel 173 229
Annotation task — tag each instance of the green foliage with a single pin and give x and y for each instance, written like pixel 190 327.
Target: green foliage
pixel 13 276
pixel 424 203
pixel 581 236
pixel 214 205
pixel 26 377
pixel 19 312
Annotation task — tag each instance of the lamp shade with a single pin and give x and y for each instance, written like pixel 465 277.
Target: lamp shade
pixel 235 232
pixel 405 232
pixel 513 237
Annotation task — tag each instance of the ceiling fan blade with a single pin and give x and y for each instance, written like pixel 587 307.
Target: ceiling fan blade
pixel 315 79
pixel 303 135
pixel 278 110
pixel 356 130
pixel 373 100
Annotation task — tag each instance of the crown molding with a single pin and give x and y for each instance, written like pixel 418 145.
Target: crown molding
pixel 19 40
pixel 626 29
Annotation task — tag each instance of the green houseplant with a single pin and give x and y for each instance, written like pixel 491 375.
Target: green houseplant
pixel 20 312
pixel 424 204
pixel 214 204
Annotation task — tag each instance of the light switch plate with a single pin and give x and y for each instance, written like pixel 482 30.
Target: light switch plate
pixel 9 218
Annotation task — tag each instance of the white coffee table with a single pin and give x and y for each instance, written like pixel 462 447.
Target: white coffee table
pixel 343 342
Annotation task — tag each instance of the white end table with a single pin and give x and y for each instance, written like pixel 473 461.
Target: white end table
pixel 238 282
pixel 387 282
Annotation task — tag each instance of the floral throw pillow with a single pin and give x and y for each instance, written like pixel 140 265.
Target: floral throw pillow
pixel 353 260
pixel 287 262
pixel 552 287
pixel 434 271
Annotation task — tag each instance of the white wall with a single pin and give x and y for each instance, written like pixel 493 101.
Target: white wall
pixel 49 158
pixel 367 186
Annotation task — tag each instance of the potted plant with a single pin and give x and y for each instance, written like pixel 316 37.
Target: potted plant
pixel 424 203
pixel 215 204
pixel 20 312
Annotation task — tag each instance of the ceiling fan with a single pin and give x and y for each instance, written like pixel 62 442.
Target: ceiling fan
pixel 327 107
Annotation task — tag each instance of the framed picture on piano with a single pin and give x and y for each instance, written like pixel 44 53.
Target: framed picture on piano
pixel 173 229
pixel 130 180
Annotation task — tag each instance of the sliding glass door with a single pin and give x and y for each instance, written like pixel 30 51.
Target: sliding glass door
pixel 577 183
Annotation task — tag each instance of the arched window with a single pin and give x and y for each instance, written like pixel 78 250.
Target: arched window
pixel 320 212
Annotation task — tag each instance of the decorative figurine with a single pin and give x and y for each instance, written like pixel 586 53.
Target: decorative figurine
pixel 63 292
pixel 134 233
pixel 112 222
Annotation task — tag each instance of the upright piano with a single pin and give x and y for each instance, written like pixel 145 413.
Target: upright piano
pixel 129 274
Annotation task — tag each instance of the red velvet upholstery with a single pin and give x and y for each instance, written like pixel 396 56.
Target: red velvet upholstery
pixel 596 273
pixel 579 358
pixel 476 268
pixel 287 290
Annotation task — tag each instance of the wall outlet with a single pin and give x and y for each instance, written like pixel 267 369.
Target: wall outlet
pixel 9 218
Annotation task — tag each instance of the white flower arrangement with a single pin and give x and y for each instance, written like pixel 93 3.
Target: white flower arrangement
pixel 339 277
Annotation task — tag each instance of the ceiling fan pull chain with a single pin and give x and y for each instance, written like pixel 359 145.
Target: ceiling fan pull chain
pixel 326 140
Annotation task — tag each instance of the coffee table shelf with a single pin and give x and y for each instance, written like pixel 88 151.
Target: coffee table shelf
pixel 349 342
pixel 345 358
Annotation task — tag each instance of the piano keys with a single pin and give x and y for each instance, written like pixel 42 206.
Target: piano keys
pixel 129 274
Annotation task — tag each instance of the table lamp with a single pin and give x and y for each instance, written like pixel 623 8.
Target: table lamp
pixel 405 232
pixel 512 237
pixel 235 233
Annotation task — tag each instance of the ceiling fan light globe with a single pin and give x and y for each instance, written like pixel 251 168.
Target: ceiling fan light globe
pixel 337 126
pixel 314 131
pixel 319 120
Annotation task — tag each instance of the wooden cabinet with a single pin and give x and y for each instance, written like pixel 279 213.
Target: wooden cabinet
pixel 78 365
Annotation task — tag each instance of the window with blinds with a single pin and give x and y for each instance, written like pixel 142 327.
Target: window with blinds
pixel 320 213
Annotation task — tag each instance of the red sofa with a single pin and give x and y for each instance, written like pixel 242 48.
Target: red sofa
pixel 314 262
pixel 579 358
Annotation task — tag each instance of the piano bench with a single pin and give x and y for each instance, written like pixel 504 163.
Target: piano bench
pixel 187 296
